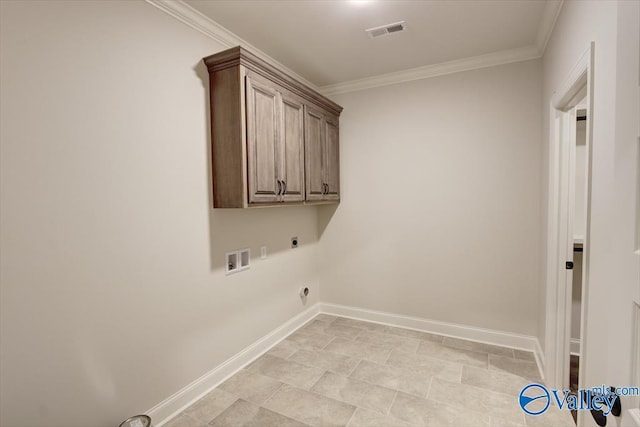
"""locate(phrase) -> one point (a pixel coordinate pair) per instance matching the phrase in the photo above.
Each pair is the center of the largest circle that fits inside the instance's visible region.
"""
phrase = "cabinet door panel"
(332, 162)
(262, 142)
(314, 154)
(291, 169)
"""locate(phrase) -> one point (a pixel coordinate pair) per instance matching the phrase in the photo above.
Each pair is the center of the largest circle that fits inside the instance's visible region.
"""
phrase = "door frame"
(558, 281)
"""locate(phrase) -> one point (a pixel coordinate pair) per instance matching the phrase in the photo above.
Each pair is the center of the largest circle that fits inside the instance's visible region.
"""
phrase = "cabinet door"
(314, 153)
(291, 166)
(262, 141)
(332, 159)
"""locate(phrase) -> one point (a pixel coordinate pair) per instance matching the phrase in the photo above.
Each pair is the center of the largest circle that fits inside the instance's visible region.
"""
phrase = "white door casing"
(560, 221)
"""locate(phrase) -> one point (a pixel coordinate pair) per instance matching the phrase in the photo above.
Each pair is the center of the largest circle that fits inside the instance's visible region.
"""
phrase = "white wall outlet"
(263, 252)
(294, 242)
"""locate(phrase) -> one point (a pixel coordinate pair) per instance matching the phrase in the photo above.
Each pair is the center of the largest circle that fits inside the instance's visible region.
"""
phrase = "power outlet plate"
(236, 261)
(231, 262)
(294, 242)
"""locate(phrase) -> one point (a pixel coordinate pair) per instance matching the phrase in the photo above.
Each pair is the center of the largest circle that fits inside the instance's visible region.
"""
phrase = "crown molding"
(548, 23)
(196, 20)
(202, 23)
(450, 67)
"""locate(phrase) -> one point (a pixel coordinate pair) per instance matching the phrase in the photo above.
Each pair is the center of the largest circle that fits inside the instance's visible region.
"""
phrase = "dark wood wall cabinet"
(274, 140)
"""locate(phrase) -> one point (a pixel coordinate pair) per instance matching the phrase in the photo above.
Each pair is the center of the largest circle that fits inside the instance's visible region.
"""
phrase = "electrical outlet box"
(263, 252)
(231, 262)
(245, 257)
(237, 261)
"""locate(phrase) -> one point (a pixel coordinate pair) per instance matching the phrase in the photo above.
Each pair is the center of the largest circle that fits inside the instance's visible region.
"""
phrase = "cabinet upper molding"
(241, 56)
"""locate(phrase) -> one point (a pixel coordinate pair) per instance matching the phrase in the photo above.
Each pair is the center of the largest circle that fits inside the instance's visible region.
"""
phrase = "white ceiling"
(324, 40)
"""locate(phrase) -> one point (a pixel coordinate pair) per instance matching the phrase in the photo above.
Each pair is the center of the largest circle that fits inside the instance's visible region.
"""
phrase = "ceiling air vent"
(386, 29)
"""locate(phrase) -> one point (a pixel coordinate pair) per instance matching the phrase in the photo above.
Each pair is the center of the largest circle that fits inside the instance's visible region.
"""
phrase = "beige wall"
(441, 198)
(112, 290)
(113, 295)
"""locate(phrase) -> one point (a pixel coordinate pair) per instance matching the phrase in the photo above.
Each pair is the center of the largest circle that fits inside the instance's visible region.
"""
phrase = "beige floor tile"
(367, 418)
(425, 336)
(551, 417)
(477, 346)
(311, 341)
(329, 328)
(338, 363)
(314, 327)
(524, 355)
(407, 344)
(325, 317)
(211, 405)
(494, 380)
(250, 386)
(369, 326)
(562, 419)
(284, 349)
(445, 370)
(499, 405)
(358, 393)
(339, 371)
(523, 368)
(184, 420)
(457, 355)
(286, 371)
(422, 412)
(359, 350)
(246, 414)
(343, 331)
(405, 380)
(498, 422)
(310, 408)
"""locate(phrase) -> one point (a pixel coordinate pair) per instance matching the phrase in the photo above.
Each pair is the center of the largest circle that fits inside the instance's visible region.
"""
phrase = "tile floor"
(336, 371)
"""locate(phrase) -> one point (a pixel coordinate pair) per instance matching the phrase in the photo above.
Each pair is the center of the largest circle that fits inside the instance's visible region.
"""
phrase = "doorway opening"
(568, 217)
(579, 190)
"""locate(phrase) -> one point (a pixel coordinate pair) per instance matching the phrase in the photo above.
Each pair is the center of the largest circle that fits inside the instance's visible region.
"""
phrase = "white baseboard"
(170, 407)
(540, 358)
(487, 336)
(574, 347)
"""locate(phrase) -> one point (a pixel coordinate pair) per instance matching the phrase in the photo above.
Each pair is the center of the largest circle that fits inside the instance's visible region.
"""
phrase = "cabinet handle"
(326, 188)
(279, 187)
(284, 187)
